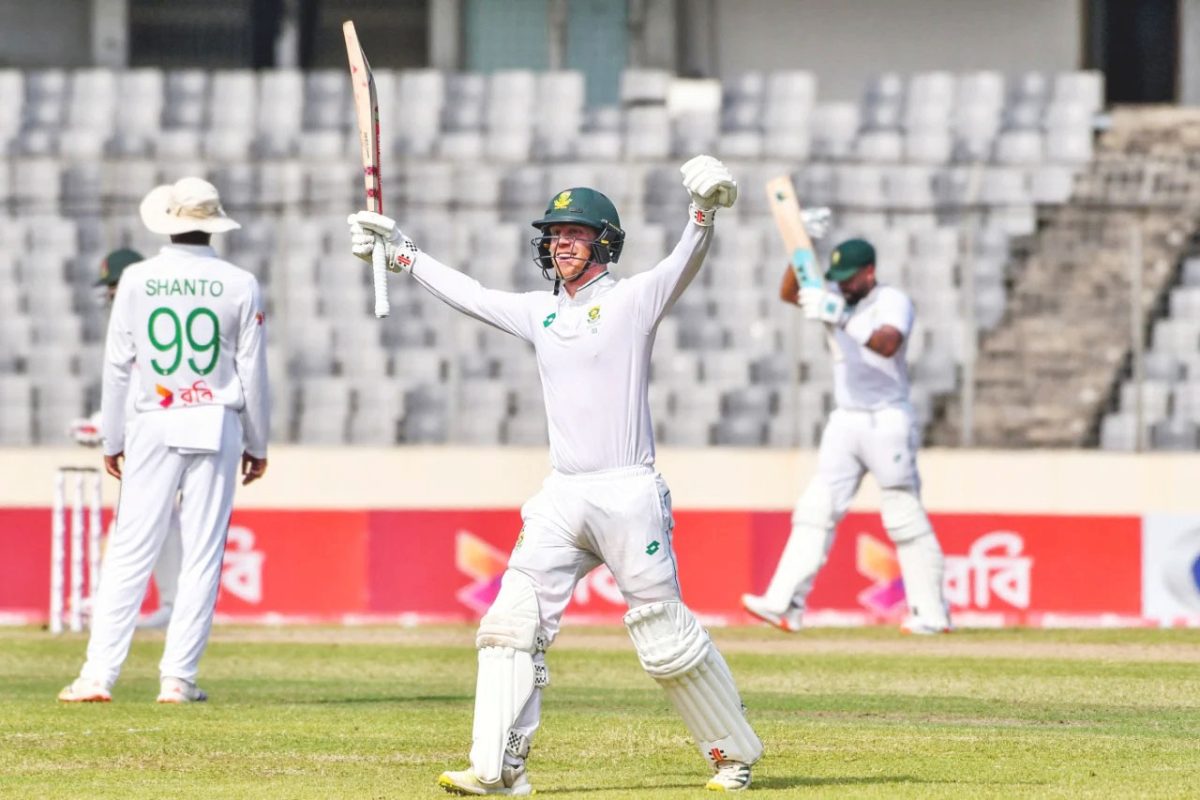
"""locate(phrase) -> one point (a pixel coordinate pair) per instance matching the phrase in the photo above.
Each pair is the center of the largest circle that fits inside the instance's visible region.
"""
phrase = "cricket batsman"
(873, 429)
(603, 502)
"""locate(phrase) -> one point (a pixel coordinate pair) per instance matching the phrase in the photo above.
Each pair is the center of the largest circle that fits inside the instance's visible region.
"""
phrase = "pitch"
(379, 712)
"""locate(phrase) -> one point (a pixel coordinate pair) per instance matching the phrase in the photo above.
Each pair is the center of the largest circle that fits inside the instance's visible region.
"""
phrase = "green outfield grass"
(378, 712)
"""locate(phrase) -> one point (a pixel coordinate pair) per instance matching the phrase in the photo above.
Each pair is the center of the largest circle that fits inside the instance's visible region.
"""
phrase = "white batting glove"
(366, 227)
(711, 186)
(824, 305)
(816, 221)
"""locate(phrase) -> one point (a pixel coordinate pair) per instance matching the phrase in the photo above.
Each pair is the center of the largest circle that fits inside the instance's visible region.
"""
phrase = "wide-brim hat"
(189, 204)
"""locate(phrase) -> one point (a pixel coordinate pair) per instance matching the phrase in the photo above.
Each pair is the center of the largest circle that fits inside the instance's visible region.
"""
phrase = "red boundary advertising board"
(446, 564)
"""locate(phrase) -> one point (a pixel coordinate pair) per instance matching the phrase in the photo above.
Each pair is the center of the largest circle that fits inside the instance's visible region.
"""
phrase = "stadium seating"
(941, 170)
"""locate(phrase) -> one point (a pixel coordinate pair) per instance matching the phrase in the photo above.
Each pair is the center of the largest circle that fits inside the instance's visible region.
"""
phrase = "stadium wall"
(422, 534)
(1009, 481)
(847, 43)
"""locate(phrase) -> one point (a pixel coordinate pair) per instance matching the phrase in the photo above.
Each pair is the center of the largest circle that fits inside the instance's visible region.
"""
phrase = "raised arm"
(507, 311)
(789, 287)
(660, 287)
(711, 186)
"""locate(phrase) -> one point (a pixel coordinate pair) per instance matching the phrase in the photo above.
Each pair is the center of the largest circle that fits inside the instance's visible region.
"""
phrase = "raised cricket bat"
(366, 111)
(781, 195)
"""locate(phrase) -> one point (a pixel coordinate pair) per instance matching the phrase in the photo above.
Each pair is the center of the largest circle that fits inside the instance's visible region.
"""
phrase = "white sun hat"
(189, 204)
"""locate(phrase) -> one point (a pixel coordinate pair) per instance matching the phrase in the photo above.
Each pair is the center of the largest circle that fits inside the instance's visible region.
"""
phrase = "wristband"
(702, 216)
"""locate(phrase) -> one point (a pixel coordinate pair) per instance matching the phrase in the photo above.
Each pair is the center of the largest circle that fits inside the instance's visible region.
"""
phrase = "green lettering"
(217, 288)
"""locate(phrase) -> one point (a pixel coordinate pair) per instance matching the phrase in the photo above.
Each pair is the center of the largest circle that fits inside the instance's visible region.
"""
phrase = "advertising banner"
(446, 565)
(1000, 569)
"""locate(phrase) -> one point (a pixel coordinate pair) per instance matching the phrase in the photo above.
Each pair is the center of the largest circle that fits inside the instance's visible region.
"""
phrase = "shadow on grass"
(790, 782)
(381, 698)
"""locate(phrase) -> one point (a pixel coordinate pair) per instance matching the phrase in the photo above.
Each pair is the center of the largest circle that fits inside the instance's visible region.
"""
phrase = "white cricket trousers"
(620, 518)
(882, 442)
(152, 475)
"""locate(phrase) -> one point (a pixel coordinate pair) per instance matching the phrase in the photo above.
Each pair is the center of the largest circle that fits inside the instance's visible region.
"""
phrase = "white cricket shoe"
(85, 690)
(512, 783)
(918, 627)
(788, 621)
(732, 776)
(177, 690)
(158, 618)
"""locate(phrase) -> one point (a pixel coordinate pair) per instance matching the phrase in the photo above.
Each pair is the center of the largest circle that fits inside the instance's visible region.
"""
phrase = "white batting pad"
(677, 653)
(922, 567)
(507, 641)
(903, 515)
(807, 548)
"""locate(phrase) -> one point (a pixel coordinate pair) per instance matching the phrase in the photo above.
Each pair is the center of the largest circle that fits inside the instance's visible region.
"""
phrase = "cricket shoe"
(788, 621)
(732, 776)
(85, 690)
(177, 691)
(512, 783)
(917, 627)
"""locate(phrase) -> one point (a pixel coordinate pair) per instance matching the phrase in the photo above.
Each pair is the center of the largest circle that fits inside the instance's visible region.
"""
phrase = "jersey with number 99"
(192, 326)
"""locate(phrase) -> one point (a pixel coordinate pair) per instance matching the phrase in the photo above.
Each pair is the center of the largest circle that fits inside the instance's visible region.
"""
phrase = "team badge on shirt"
(549, 320)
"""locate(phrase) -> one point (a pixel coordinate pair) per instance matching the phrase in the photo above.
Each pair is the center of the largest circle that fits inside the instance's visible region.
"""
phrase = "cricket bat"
(781, 195)
(366, 111)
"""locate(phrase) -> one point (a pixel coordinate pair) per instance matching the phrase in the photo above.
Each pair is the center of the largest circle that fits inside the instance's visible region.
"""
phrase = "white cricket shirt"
(593, 350)
(863, 380)
(192, 326)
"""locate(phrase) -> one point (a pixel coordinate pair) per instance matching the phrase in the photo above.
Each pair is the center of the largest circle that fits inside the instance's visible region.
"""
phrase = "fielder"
(871, 430)
(87, 432)
(191, 325)
(603, 503)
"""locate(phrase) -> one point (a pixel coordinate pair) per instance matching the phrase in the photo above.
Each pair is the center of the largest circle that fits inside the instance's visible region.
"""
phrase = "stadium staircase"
(1045, 374)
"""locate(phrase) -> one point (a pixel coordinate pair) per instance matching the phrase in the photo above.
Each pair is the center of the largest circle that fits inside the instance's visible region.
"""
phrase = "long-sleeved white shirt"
(863, 380)
(193, 328)
(593, 350)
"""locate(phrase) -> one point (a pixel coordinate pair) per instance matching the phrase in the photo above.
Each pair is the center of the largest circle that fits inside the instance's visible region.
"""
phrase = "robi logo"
(242, 569)
(1181, 569)
(877, 561)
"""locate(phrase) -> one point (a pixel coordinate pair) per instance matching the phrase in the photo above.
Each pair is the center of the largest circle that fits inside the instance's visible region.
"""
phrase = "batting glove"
(711, 186)
(824, 305)
(816, 221)
(366, 227)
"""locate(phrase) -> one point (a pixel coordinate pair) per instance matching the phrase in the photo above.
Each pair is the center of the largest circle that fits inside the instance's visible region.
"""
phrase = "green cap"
(848, 258)
(114, 264)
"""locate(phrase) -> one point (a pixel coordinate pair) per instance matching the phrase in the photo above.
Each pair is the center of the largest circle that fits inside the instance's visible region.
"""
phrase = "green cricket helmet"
(580, 206)
(114, 264)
